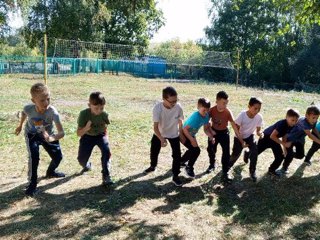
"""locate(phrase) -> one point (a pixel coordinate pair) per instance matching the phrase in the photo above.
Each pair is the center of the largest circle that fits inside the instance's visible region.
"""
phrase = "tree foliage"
(125, 22)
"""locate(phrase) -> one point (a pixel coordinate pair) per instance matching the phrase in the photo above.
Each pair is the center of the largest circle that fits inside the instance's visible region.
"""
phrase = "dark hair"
(169, 92)
(313, 110)
(204, 102)
(223, 95)
(254, 100)
(96, 98)
(39, 88)
(292, 113)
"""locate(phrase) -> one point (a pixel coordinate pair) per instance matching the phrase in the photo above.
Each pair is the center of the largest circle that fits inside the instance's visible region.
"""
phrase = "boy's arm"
(315, 130)
(84, 130)
(259, 133)
(54, 137)
(22, 119)
(158, 134)
(237, 132)
(283, 142)
(312, 137)
(181, 135)
(188, 136)
(208, 131)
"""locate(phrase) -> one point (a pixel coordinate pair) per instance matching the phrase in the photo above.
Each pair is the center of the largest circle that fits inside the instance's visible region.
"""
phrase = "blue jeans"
(86, 146)
(33, 142)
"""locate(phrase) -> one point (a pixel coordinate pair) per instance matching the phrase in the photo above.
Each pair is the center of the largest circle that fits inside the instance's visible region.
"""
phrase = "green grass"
(149, 207)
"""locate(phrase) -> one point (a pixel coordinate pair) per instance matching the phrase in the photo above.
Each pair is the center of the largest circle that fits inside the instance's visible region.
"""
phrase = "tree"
(125, 22)
(305, 11)
(254, 27)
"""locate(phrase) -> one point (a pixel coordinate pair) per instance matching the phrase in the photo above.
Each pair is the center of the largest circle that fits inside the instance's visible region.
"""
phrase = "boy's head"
(170, 97)
(222, 101)
(292, 117)
(254, 106)
(96, 103)
(40, 96)
(203, 106)
(312, 114)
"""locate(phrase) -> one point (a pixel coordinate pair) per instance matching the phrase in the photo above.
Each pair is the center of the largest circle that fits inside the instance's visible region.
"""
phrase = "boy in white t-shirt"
(167, 118)
(248, 121)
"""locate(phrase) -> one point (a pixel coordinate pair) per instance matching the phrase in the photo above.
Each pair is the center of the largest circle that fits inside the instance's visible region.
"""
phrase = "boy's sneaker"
(246, 156)
(283, 171)
(149, 170)
(253, 176)
(107, 181)
(274, 173)
(225, 178)
(210, 169)
(176, 180)
(55, 174)
(183, 164)
(308, 163)
(31, 190)
(190, 172)
(86, 168)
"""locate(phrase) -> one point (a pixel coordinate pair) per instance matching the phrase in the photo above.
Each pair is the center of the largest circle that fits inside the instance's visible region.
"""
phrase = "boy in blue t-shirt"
(190, 128)
(315, 147)
(297, 136)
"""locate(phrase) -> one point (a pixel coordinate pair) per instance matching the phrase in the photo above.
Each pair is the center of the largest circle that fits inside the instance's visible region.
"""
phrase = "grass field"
(149, 207)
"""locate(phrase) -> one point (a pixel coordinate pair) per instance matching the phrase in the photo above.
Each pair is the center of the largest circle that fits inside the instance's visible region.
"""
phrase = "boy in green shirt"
(92, 128)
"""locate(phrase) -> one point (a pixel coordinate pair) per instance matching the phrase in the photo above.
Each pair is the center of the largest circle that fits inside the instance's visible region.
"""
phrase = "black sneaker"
(283, 171)
(226, 179)
(246, 156)
(183, 164)
(86, 168)
(55, 174)
(190, 172)
(176, 180)
(149, 170)
(31, 190)
(107, 181)
(253, 176)
(308, 163)
(210, 169)
(274, 173)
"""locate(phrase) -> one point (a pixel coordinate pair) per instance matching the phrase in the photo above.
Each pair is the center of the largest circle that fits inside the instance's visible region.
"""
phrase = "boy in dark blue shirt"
(275, 138)
(297, 136)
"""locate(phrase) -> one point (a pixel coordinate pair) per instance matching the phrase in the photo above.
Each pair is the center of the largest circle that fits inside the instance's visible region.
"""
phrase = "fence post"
(45, 59)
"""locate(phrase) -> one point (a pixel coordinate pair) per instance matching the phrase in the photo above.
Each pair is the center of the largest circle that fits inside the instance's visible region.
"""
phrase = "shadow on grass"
(269, 201)
(110, 204)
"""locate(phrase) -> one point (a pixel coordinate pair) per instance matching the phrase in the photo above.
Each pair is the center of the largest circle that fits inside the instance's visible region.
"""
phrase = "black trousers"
(314, 147)
(176, 153)
(223, 138)
(265, 143)
(191, 155)
(52, 148)
(237, 149)
(299, 153)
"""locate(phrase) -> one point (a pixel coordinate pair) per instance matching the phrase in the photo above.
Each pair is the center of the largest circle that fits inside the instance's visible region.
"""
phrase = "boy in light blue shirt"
(190, 128)
(315, 147)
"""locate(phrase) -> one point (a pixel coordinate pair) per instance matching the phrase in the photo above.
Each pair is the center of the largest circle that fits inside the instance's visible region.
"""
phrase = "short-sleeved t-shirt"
(281, 126)
(98, 122)
(195, 122)
(248, 125)
(318, 126)
(297, 134)
(40, 122)
(219, 120)
(168, 119)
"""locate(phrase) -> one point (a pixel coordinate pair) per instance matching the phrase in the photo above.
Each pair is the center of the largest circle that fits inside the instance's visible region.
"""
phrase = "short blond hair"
(39, 88)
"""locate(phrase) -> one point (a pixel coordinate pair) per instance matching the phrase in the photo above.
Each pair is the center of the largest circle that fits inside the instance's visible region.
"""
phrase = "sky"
(185, 19)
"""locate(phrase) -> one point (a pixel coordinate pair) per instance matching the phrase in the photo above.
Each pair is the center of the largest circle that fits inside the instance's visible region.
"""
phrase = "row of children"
(168, 126)
(281, 137)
